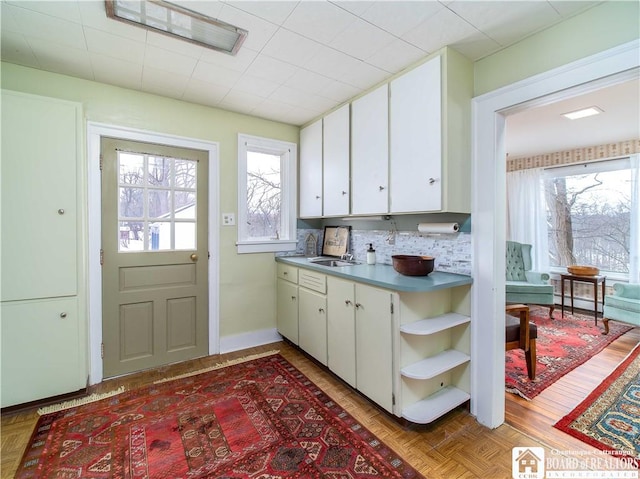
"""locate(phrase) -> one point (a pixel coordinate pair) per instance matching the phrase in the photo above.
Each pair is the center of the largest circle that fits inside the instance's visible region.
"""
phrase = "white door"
(370, 153)
(341, 329)
(416, 140)
(336, 162)
(311, 170)
(374, 343)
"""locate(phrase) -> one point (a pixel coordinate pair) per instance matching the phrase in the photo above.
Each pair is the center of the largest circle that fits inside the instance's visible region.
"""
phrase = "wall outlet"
(228, 219)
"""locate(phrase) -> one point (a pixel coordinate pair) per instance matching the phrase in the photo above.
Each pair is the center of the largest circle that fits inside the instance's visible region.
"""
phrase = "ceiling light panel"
(178, 22)
(582, 113)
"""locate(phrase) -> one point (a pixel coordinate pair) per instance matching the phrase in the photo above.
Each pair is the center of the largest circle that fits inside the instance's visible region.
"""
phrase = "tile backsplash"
(452, 252)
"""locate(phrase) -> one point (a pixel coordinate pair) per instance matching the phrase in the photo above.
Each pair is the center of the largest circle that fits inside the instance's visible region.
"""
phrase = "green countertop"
(383, 275)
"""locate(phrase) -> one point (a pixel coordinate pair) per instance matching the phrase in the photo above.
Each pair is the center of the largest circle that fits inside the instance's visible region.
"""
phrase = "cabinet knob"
(432, 181)
(380, 188)
(61, 211)
(63, 315)
(320, 310)
(285, 273)
(344, 193)
(317, 197)
(293, 298)
(347, 302)
(358, 305)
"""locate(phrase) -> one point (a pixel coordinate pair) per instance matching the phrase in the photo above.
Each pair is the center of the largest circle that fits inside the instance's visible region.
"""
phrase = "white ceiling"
(300, 59)
(544, 130)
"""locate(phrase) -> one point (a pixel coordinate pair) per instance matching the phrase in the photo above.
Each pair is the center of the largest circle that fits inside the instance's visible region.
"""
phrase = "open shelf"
(433, 325)
(434, 406)
(438, 364)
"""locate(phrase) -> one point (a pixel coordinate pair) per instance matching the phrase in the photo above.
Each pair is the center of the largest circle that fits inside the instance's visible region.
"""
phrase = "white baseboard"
(237, 342)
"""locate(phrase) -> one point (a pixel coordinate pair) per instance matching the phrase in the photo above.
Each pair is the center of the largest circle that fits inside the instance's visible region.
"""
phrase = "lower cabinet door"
(374, 343)
(42, 350)
(312, 323)
(341, 329)
(287, 320)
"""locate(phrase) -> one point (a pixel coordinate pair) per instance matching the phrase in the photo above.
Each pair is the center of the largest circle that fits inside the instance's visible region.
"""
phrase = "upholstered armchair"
(623, 305)
(523, 285)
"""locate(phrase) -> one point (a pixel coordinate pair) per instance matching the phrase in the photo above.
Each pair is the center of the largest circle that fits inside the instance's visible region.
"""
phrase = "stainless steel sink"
(334, 262)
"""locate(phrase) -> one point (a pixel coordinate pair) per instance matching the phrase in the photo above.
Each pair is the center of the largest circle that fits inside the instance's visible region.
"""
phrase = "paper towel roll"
(438, 228)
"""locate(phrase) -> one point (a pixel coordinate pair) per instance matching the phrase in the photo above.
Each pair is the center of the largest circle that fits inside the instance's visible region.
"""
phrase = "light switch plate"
(228, 219)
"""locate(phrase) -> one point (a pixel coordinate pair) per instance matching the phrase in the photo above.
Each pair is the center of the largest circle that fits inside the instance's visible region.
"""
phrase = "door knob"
(194, 257)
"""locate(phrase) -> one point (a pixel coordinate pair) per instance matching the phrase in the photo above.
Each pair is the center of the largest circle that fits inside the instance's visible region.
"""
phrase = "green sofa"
(523, 285)
(623, 305)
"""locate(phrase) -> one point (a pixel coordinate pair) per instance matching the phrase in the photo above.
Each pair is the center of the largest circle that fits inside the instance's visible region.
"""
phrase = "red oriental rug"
(609, 418)
(257, 419)
(563, 344)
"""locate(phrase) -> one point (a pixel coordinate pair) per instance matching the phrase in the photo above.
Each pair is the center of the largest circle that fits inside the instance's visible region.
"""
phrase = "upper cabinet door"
(311, 170)
(370, 153)
(416, 140)
(39, 197)
(336, 162)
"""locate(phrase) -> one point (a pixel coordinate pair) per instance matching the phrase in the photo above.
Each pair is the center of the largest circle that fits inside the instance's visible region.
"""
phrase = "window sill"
(265, 246)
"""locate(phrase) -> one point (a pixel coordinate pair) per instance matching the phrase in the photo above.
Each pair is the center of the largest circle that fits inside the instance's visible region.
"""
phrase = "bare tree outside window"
(589, 220)
(263, 195)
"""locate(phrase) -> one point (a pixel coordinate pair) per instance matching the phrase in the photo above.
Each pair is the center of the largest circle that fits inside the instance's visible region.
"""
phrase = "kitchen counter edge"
(383, 275)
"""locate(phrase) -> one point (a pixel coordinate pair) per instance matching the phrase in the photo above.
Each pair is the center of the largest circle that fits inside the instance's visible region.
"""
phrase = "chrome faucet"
(347, 257)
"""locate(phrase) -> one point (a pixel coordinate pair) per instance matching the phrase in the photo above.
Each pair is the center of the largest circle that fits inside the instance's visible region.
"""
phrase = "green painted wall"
(247, 285)
(600, 28)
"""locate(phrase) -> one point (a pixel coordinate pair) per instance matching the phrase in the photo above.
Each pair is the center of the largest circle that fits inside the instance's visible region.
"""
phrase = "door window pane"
(185, 235)
(131, 202)
(131, 170)
(152, 212)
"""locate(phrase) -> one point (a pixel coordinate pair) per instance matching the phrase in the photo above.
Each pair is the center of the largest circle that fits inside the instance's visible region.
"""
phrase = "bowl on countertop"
(583, 270)
(412, 265)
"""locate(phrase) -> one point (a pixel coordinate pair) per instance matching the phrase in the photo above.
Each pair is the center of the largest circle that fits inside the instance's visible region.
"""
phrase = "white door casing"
(488, 205)
(94, 132)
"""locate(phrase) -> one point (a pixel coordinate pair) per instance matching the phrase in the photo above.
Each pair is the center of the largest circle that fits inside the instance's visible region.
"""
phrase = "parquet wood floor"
(454, 447)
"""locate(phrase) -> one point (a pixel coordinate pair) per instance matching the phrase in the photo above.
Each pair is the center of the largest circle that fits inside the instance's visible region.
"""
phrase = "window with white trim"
(590, 206)
(266, 195)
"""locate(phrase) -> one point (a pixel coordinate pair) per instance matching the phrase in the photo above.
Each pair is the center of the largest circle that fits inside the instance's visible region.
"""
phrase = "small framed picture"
(336, 240)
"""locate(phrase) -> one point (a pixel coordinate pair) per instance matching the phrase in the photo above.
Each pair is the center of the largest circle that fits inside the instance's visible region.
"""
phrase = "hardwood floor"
(453, 447)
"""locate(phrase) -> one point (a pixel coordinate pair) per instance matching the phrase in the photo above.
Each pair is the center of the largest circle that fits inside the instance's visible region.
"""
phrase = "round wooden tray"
(583, 270)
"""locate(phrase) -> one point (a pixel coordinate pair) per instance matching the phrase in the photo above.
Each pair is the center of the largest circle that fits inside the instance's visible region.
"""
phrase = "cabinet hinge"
(208, 254)
(391, 307)
(102, 350)
(393, 399)
(101, 257)
(101, 160)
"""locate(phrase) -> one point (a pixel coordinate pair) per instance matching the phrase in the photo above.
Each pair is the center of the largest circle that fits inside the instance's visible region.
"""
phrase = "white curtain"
(527, 214)
(634, 250)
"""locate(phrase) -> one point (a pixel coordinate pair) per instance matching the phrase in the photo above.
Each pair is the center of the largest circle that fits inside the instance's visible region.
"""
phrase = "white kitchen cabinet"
(415, 129)
(430, 134)
(374, 344)
(312, 314)
(44, 325)
(336, 189)
(287, 302)
(42, 344)
(341, 329)
(370, 153)
(409, 352)
(360, 332)
(310, 189)
(433, 353)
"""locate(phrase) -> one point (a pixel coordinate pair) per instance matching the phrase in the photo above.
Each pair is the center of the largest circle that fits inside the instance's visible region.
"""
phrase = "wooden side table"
(595, 280)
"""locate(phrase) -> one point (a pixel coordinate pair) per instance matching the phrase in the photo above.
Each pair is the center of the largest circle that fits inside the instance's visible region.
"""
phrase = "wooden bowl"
(583, 270)
(410, 265)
